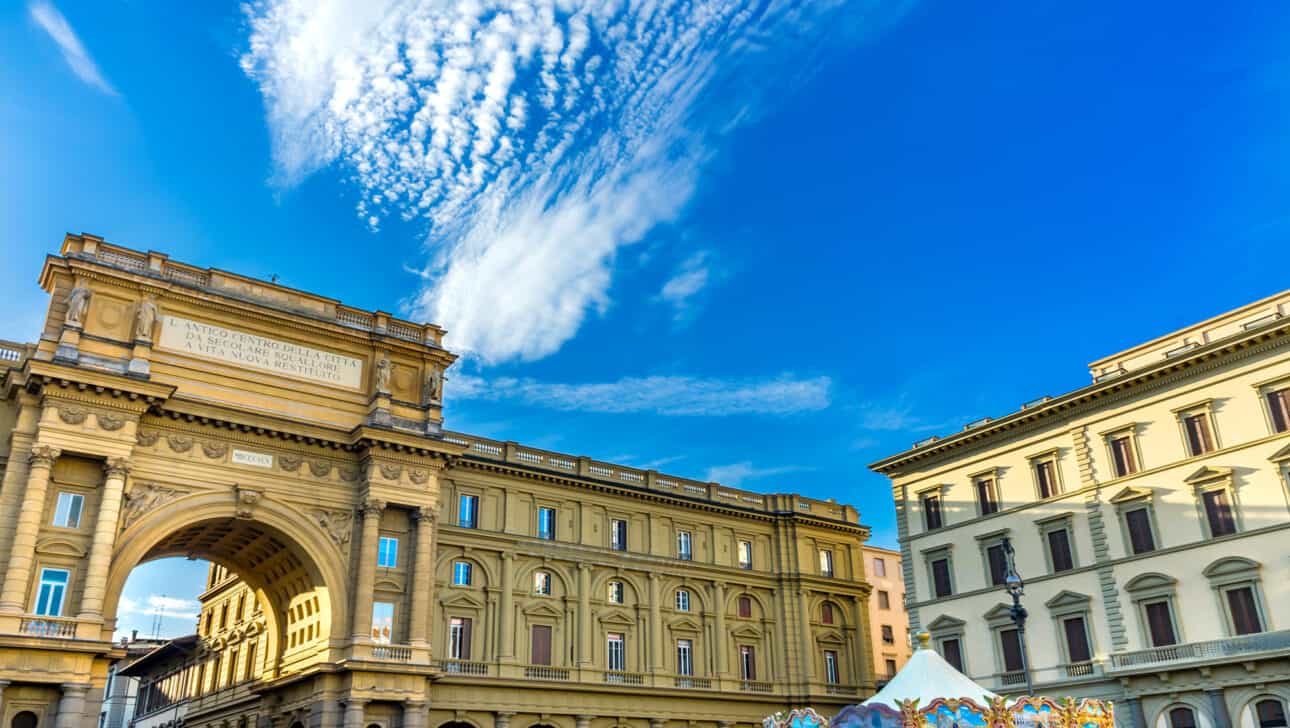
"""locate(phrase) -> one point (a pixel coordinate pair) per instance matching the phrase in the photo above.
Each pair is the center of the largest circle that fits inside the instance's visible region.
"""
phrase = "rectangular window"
(541, 645)
(1141, 539)
(1059, 549)
(683, 546)
(615, 592)
(952, 651)
(1218, 511)
(986, 499)
(249, 671)
(542, 583)
(1077, 647)
(468, 511)
(826, 562)
(888, 635)
(684, 657)
(67, 513)
(1010, 641)
(1245, 613)
(546, 524)
(831, 667)
(382, 622)
(1122, 456)
(879, 567)
(745, 555)
(1200, 439)
(617, 653)
(998, 563)
(744, 609)
(618, 534)
(884, 600)
(461, 573)
(1160, 624)
(1279, 408)
(223, 616)
(682, 600)
(459, 629)
(241, 608)
(232, 667)
(932, 512)
(890, 666)
(53, 590)
(1046, 478)
(387, 552)
(747, 662)
(826, 613)
(941, 577)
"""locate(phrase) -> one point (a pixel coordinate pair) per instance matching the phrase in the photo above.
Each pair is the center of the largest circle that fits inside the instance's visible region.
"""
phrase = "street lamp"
(1016, 588)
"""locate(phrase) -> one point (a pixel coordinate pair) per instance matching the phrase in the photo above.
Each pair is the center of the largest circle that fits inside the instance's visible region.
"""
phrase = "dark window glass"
(1245, 614)
(1059, 547)
(1045, 475)
(1182, 718)
(1271, 713)
(1139, 523)
(826, 613)
(1161, 624)
(1199, 438)
(1077, 640)
(1218, 511)
(932, 511)
(1122, 451)
(891, 669)
(985, 496)
(998, 562)
(745, 607)
(953, 653)
(888, 635)
(1279, 405)
(1011, 643)
(941, 577)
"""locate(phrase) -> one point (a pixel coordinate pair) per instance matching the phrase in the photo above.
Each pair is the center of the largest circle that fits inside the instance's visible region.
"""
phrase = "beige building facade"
(1150, 516)
(889, 623)
(402, 574)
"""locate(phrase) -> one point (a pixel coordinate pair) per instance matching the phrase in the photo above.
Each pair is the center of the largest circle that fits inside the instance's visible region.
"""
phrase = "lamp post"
(1016, 589)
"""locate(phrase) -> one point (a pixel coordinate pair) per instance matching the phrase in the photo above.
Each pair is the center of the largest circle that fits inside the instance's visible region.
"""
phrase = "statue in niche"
(77, 301)
(384, 368)
(434, 384)
(144, 318)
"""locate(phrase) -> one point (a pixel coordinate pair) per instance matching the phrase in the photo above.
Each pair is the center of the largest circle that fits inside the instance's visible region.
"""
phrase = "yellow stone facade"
(298, 444)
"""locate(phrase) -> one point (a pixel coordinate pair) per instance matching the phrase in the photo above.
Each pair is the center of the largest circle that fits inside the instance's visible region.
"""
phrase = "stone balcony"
(1264, 644)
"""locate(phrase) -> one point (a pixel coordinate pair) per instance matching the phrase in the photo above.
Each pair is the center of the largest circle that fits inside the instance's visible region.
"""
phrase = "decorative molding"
(146, 497)
(419, 476)
(215, 450)
(320, 468)
(109, 422)
(179, 443)
(336, 524)
(348, 475)
(372, 507)
(247, 499)
(116, 467)
(72, 414)
(390, 471)
(43, 456)
(147, 438)
(290, 463)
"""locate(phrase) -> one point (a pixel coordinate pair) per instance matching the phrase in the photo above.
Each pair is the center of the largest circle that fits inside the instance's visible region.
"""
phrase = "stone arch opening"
(25, 719)
(457, 724)
(290, 566)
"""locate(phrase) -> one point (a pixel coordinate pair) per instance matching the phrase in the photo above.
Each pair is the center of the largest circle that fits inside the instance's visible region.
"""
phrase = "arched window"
(25, 719)
(1182, 717)
(1270, 713)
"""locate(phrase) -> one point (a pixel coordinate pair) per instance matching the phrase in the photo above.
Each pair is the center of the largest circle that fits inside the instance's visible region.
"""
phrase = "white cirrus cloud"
(690, 278)
(165, 606)
(50, 20)
(536, 138)
(662, 395)
(736, 473)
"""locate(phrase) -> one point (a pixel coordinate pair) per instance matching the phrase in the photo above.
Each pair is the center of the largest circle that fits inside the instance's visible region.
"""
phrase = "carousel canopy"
(927, 676)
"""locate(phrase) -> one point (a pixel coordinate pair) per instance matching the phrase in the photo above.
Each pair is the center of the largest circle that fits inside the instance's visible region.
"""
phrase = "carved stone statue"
(384, 368)
(144, 318)
(434, 384)
(77, 301)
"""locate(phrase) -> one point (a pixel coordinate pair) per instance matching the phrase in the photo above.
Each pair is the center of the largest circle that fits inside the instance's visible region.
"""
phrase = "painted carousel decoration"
(929, 693)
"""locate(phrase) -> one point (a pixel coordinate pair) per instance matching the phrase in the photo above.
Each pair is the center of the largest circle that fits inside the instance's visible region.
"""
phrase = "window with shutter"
(1182, 718)
(1059, 549)
(1271, 713)
(1160, 624)
(1141, 539)
(1244, 611)
(1218, 513)
(952, 651)
(1011, 643)
(1077, 647)
(540, 654)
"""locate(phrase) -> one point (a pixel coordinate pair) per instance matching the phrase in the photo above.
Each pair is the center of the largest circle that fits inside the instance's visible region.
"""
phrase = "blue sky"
(765, 244)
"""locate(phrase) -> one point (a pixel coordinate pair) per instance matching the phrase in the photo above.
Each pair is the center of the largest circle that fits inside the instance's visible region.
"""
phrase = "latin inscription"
(258, 459)
(259, 352)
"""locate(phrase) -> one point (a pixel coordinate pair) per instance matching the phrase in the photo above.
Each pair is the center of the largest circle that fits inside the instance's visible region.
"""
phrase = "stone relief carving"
(336, 524)
(77, 302)
(43, 456)
(147, 438)
(143, 498)
(384, 368)
(419, 476)
(144, 317)
(290, 463)
(320, 468)
(110, 422)
(434, 384)
(247, 498)
(72, 414)
(179, 443)
(348, 475)
(391, 471)
(215, 450)
(116, 467)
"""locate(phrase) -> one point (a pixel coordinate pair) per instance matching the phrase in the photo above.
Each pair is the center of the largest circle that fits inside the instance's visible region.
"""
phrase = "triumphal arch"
(399, 574)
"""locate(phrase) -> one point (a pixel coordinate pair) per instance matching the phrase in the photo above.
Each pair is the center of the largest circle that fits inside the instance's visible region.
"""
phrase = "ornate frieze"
(179, 443)
(390, 471)
(109, 421)
(72, 414)
(146, 497)
(147, 438)
(320, 468)
(215, 450)
(419, 476)
(336, 524)
(289, 463)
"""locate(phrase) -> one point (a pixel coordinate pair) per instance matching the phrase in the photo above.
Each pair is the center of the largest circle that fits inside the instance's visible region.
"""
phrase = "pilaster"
(13, 599)
(115, 471)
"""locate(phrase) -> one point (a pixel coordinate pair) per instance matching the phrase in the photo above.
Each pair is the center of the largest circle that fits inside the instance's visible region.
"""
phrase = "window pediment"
(1281, 456)
(1131, 493)
(1232, 567)
(389, 585)
(945, 623)
(1149, 581)
(618, 618)
(1208, 474)
(542, 609)
(1068, 599)
(55, 546)
(830, 637)
(746, 631)
(684, 624)
(998, 614)
(462, 598)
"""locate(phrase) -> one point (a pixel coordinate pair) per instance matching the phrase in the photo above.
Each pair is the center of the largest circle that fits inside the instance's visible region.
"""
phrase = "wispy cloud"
(736, 473)
(899, 417)
(161, 605)
(690, 278)
(60, 31)
(536, 138)
(663, 395)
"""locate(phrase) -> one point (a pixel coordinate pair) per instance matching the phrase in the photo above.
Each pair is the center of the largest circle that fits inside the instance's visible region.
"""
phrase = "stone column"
(365, 582)
(721, 641)
(13, 599)
(414, 714)
(655, 626)
(808, 644)
(1137, 719)
(354, 710)
(584, 614)
(3, 684)
(71, 707)
(502, 719)
(1218, 706)
(422, 577)
(506, 632)
(96, 571)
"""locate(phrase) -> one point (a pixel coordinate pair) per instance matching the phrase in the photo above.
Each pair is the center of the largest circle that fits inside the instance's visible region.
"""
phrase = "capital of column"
(116, 467)
(425, 514)
(75, 689)
(582, 721)
(351, 703)
(502, 718)
(415, 704)
(508, 555)
(43, 456)
(372, 507)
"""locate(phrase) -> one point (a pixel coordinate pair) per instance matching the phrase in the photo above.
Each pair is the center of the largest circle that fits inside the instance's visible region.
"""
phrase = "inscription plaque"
(258, 459)
(259, 352)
